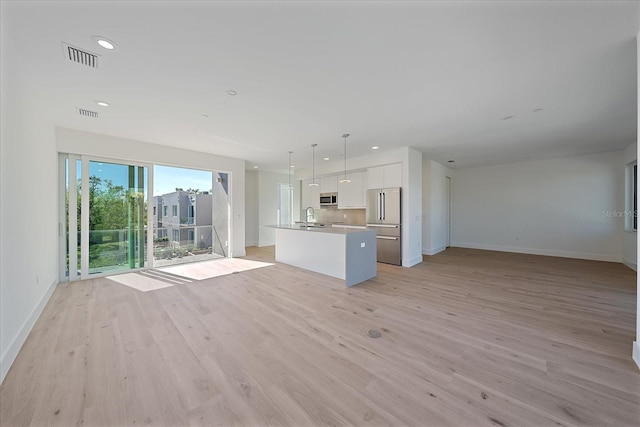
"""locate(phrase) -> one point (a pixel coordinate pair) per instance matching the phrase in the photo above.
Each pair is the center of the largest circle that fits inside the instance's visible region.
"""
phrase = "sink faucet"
(307, 214)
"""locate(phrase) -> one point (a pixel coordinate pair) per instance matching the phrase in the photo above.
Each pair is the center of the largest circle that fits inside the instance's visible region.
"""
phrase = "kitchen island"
(344, 253)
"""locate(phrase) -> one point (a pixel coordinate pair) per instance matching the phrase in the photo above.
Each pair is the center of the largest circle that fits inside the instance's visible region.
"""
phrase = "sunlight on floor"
(141, 282)
(215, 268)
(165, 277)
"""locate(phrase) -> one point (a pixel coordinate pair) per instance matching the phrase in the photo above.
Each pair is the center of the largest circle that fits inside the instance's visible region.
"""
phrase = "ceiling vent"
(80, 56)
(88, 113)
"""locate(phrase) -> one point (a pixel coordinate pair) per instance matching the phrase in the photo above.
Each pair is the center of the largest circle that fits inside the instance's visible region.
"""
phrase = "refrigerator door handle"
(384, 225)
(384, 207)
(387, 238)
(379, 206)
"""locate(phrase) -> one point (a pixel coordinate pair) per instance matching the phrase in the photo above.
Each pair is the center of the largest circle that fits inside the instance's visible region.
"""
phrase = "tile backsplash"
(330, 215)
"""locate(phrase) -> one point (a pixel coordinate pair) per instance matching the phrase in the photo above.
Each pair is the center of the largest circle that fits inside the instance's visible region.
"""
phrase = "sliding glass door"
(106, 216)
(117, 218)
(110, 220)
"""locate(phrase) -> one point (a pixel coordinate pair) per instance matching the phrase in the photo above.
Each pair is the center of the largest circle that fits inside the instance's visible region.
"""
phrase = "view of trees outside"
(117, 219)
(118, 203)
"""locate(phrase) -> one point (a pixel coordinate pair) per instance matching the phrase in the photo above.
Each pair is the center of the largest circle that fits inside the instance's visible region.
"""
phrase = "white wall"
(28, 207)
(434, 206)
(77, 142)
(629, 251)
(411, 160)
(268, 205)
(251, 208)
(550, 207)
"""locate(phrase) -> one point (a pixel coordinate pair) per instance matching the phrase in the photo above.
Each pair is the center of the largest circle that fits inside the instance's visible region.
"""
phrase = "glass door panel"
(117, 217)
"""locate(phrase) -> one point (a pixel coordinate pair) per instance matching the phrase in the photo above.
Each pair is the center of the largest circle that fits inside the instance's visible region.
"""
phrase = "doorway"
(447, 216)
(191, 211)
(110, 221)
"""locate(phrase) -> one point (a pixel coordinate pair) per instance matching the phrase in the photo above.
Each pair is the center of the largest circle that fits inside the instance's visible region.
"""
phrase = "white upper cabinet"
(328, 184)
(310, 195)
(352, 195)
(384, 176)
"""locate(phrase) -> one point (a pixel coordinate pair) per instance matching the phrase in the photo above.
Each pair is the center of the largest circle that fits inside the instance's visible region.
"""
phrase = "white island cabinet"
(347, 254)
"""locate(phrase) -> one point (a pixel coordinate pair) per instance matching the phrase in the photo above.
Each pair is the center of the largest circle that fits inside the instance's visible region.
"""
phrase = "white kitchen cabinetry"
(352, 195)
(328, 184)
(310, 195)
(384, 176)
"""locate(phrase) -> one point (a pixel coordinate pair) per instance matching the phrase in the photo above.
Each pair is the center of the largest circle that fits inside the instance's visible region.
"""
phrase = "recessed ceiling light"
(537, 110)
(325, 158)
(255, 166)
(105, 43)
(232, 92)
(451, 161)
(205, 115)
(508, 118)
(375, 147)
(102, 103)
(292, 166)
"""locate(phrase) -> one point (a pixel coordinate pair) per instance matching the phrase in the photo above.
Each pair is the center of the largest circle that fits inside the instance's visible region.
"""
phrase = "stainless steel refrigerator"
(384, 215)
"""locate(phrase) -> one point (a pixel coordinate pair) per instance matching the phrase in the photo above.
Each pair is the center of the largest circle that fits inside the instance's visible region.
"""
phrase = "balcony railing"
(187, 241)
(189, 220)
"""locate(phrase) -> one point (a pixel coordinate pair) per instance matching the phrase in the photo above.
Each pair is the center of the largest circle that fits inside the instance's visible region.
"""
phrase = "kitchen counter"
(335, 228)
(345, 253)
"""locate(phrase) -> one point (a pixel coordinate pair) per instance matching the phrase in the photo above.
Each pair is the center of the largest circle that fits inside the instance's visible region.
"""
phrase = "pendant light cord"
(345, 136)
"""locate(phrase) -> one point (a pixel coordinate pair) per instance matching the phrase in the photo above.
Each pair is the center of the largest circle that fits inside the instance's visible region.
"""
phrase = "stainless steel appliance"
(328, 199)
(384, 215)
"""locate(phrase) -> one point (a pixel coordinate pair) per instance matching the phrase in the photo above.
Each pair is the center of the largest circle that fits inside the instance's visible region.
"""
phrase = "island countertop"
(345, 253)
(325, 229)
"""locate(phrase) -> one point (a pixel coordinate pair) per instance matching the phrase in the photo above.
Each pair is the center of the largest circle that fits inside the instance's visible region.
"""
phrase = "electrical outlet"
(345, 216)
(362, 245)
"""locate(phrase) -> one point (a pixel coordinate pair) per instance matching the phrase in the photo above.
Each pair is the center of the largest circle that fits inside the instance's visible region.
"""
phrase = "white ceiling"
(436, 76)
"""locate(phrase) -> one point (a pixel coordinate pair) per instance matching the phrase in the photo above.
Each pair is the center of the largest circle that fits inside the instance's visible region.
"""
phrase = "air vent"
(88, 113)
(80, 56)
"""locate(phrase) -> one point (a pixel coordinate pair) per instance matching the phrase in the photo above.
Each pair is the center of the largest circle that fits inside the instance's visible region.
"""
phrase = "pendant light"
(313, 182)
(290, 153)
(345, 180)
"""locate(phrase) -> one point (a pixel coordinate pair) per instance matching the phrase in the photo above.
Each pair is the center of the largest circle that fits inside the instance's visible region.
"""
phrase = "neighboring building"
(183, 218)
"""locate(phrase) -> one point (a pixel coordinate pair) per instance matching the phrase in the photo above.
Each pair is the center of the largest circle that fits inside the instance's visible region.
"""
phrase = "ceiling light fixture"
(232, 92)
(508, 118)
(102, 103)
(345, 180)
(325, 158)
(537, 110)
(451, 161)
(375, 147)
(105, 43)
(255, 166)
(313, 166)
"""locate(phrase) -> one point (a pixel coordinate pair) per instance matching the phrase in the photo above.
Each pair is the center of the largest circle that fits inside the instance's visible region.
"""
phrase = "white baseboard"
(411, 262)
(250, 244)
(546, 252)
(10, 354)
(630, 263)
(433, 251)
(636, 353)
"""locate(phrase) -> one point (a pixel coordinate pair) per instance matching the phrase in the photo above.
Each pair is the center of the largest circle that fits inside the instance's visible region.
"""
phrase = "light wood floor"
(468, 338)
